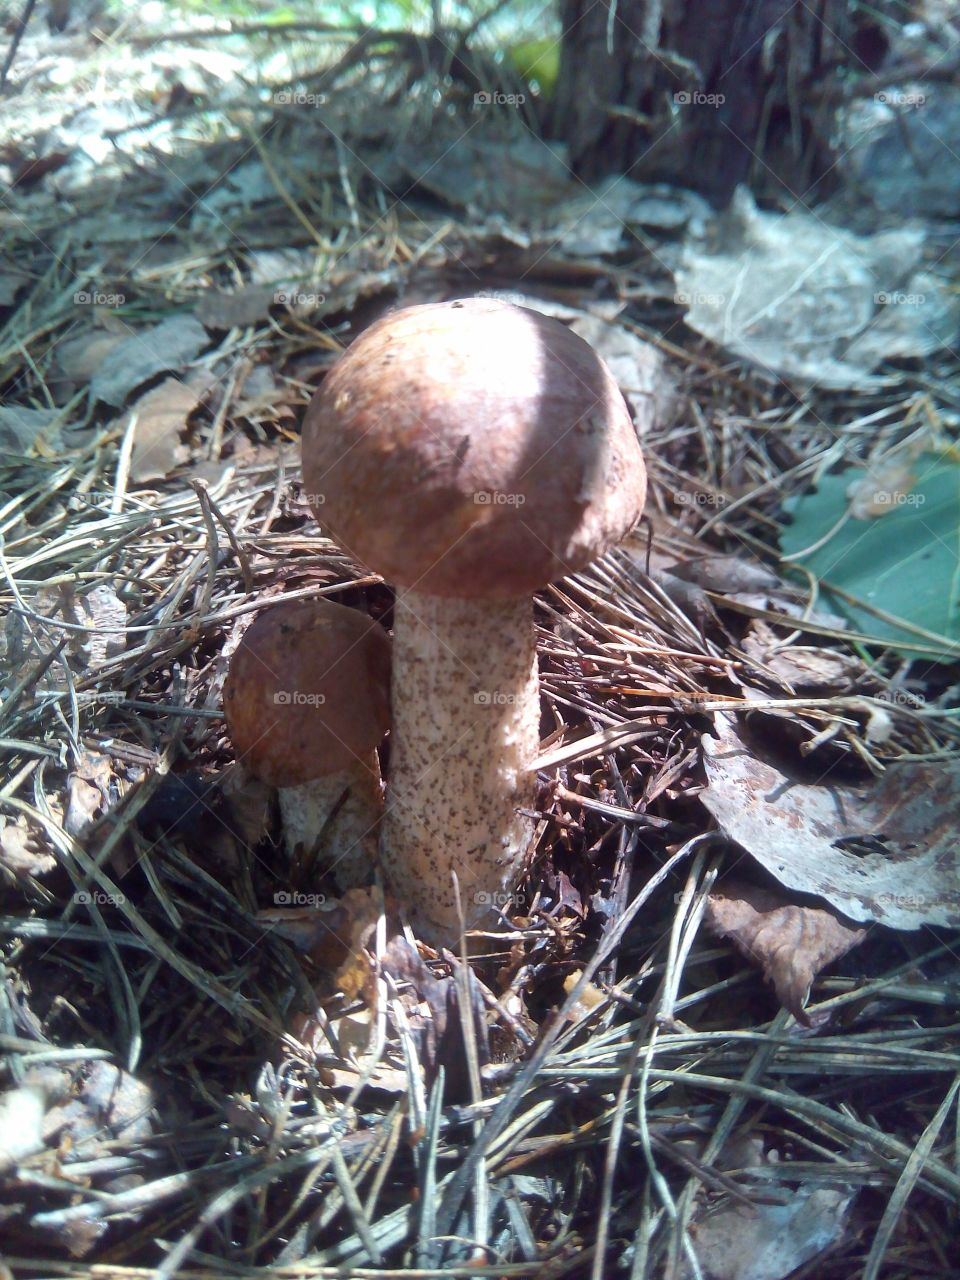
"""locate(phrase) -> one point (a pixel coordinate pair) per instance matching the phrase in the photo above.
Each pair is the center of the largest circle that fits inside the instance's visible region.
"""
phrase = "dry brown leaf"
(106, 615)
(19, 854)
(78, 358)
(884, 850)
(161, 415)
(245, 813)
(434, 1015)
(88, 792)
(236, 310)
(727, 574)
(802, 667)
(790, 943)
(168, 346)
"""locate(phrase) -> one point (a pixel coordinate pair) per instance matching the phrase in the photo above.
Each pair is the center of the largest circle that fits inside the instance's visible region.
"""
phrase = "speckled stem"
(337, 818)
(466, 719)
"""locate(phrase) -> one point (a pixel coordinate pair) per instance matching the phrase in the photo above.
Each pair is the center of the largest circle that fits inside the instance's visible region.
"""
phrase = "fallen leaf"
(105, 613)
(884, 850)
(435, 1018)
(811, 301)
(21, 1124)
(20, 855)
(164, 347)
(639, 368)
(790, 943)
(20, 428)
(804, 668)
(77, 359)
(161, 415)
(236, 310)
(88, 792)
(769, 1241)
(727, 574)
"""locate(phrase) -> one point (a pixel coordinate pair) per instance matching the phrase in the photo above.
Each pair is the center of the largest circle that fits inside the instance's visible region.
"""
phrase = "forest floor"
(721, 1018)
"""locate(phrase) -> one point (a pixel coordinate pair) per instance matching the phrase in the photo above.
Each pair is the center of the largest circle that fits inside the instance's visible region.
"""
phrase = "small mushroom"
(471, 452)
(306, 701)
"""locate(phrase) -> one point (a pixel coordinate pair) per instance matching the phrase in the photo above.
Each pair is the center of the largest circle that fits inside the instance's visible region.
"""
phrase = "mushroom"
(471, 452)
(306, 701)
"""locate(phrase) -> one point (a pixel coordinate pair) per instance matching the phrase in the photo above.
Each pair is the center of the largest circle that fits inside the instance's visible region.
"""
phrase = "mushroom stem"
(336, 818)
(466, 720)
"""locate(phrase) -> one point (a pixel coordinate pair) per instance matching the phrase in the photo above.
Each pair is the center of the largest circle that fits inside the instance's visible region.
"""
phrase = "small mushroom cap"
(307, 691)
(472, 449)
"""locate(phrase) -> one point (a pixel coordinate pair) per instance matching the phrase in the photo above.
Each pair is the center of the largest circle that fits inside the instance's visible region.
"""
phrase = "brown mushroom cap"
(307, 691)
(472, 449)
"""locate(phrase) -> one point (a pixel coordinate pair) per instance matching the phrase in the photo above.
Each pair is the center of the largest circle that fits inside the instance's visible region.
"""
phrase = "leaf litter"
(266, 1085)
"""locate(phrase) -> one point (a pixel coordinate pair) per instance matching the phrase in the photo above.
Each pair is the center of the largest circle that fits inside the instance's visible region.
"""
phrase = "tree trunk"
(704, 93)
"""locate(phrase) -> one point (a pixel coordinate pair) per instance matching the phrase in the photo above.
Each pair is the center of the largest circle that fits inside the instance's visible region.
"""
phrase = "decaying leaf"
(770, 1241)
(333, 932)
(21, 1124)
(88, 791)
(105, 614)
(164, 347)
(789, 942)
(20, 852)
(77, 359)
(727, 574)
(161, 415)
(436, 1018)
(811, 301)
(243, 817)
(20, 428)
(803, 668)
(884, 850)
(904, 563)
(236, 310)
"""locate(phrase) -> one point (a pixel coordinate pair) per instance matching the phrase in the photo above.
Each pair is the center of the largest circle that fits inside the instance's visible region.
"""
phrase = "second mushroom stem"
(336, 819)
(466, 718)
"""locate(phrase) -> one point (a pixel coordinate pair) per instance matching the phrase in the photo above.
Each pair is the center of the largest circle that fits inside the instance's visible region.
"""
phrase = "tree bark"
(704, 93)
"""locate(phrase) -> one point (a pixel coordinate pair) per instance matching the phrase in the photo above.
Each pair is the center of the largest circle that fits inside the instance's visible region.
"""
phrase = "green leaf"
(905, 561)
